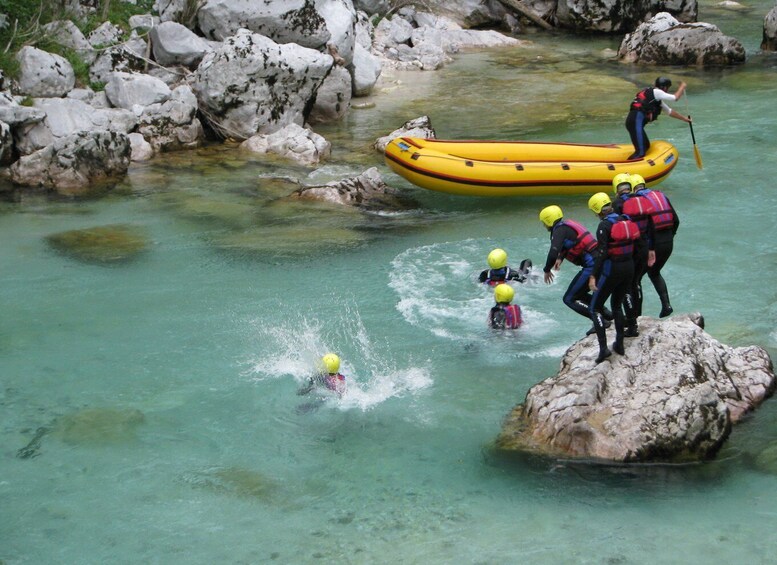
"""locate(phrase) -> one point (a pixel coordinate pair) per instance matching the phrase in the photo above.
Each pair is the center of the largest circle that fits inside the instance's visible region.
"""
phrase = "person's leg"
(631, 127)
(622, 276)
(663, 252)
(576, 291)
(604, 286)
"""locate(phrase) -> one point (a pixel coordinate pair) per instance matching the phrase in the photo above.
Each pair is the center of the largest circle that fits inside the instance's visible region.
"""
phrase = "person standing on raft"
(646, 107)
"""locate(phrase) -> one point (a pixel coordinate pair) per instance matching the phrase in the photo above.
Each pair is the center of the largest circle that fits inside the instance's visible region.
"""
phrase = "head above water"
(637, 182)
(497, 259)
(550, 215)
(663, 83)
(503, 293)
(621, 183)
(598, 202)
(331, 363)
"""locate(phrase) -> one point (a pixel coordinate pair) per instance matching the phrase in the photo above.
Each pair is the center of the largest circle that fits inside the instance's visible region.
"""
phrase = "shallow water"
(149, 407)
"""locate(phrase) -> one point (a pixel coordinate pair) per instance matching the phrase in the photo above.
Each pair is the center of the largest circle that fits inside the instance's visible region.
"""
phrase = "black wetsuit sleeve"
(483, 276)
(496, 318)
(675, 216)
(617, 205)
(603, 239)
(650, 233)
(557, 245)
(514, 275)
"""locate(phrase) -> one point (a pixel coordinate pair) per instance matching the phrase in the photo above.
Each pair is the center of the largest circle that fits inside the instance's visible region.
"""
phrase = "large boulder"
(73, 164)
(673, 396)
(665, 41)
(127, 90)
(333, 97)
(175, 44)
(769, 42)
(253, 85)
(283, 21)
(125, 57)
(44, 74)
(613, 15)
(172, 124)
(66, 116)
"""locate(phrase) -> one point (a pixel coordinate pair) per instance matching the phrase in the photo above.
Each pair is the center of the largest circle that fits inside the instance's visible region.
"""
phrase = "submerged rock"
(366, 190)
(98, 425)
(673, 396)
(237, 481)
(101, 244)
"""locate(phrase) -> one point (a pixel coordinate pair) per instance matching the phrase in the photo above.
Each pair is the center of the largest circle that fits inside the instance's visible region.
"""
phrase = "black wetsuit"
(666, 223)
(496, 276)
(613, 272)
(562, 238)
(640, 210)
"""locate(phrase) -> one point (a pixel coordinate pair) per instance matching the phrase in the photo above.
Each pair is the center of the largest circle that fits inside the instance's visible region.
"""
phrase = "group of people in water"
(634, 237)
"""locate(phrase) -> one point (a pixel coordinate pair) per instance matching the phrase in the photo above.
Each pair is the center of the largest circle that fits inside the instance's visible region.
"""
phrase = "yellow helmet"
(619, 179)
(504, 293)
(331, 363)
(550, 215)
(497, 259)
(599, 201)
(635, 181)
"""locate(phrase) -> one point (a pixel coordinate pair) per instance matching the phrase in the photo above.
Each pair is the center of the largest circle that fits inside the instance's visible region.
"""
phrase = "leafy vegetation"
(25, 20)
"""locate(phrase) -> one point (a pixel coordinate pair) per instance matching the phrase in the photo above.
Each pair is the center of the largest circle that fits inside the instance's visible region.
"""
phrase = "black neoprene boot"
(666, 308)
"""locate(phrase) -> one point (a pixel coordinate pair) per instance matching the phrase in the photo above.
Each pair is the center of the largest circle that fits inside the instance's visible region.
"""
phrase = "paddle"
(696, 154)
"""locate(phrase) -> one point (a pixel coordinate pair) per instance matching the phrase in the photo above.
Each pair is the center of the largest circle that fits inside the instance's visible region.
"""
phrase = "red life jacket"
(585, 243)
(663, 216)
(639, 209)
(513, 318)
(645, 101)
(622, 237)
(335, 382)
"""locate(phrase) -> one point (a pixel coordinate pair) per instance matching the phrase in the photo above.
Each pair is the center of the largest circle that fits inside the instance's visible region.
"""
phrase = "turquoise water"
(166, 385)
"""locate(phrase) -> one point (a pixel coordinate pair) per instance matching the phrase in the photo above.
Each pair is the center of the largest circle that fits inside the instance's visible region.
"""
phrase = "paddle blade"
(697, 156)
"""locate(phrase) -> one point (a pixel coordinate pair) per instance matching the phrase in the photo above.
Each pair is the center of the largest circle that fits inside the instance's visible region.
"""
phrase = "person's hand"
(592, 284)
(557, 264)
(651, 258)
(548, 277)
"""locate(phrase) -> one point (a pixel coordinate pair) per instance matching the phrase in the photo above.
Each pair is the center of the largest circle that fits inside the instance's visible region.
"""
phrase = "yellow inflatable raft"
(520, 168)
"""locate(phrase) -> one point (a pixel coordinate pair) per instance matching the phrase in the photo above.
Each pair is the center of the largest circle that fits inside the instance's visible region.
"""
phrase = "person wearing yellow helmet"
(500, 272)
(570, 240)
(504, 315)
(613, 271)
(646, 107)
(640, 210)
(661, 242)
(327, 377)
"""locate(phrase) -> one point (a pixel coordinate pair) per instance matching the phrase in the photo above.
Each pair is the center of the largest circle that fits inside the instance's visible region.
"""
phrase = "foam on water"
(294, 349)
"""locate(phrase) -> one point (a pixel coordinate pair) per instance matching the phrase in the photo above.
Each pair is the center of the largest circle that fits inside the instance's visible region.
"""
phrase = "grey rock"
(673, 396)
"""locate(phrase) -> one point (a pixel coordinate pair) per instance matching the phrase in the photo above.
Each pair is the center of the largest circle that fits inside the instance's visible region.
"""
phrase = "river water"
(148, 409)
